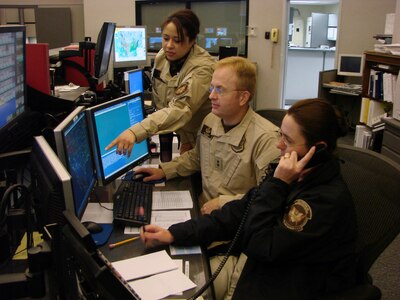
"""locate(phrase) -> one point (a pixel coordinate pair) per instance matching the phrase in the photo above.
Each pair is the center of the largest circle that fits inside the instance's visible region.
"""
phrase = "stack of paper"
(153, 270)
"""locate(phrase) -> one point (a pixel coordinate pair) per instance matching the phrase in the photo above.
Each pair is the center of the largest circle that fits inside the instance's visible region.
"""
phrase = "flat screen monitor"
(74, 150)
(134, 81)
(350, 64)
(130, 46)
(13, 101)
(211, 43)
(226, 51)
(155, 42)
(103, 49)
(51, 184)
(89, 265)
(106, 122)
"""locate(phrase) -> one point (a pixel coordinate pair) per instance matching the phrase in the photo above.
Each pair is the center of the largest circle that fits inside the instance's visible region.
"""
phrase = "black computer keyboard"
(133, 203)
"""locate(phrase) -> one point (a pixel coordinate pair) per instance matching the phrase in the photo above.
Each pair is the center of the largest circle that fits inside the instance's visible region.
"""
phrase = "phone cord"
(228, 252)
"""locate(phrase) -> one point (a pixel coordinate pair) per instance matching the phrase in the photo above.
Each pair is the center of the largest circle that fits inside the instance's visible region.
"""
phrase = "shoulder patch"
(298, 215)
(205, 130)
(182, 89)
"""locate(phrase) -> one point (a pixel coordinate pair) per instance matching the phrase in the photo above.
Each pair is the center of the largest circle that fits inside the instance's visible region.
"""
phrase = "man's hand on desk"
(154, 173)
(209, 206)
(153, 235)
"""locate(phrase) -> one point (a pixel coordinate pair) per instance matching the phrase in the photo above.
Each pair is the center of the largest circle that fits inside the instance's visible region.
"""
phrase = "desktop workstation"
(62, 177)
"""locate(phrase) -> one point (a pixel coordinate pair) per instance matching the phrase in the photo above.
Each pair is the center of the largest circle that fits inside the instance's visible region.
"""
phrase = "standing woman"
(181, 79)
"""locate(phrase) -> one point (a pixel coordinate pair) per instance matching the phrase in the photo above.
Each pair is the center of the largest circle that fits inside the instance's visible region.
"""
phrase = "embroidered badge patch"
(182, 89)
(205, 130)
(298, 215)
(239, 148)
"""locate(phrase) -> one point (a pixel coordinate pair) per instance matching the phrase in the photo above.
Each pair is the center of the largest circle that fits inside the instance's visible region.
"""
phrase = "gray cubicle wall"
(54, 26)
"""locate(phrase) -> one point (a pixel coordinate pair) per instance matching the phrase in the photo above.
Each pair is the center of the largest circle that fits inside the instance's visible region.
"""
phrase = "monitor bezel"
(95, 270)
(126, 79)
(45, 162)
(103, 51)
(135, 62)
(59, 137)
(90, 112)
(346, 73)
(9, 131)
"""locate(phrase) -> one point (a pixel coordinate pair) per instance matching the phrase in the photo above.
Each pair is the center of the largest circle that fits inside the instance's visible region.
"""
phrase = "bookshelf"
(380, 76)
(378, 62)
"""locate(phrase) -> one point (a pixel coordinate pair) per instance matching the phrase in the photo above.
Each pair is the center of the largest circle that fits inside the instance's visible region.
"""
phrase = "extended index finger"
(112, 144)
(306, 158)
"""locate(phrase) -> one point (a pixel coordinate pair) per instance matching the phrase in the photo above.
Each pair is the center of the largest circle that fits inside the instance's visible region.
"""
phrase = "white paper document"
(166, 218)
(172, 200)
(95, 213)
(145, 265)
(162, 285)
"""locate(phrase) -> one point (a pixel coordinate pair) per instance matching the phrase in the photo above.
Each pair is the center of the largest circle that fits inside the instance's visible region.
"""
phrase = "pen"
(111, 246)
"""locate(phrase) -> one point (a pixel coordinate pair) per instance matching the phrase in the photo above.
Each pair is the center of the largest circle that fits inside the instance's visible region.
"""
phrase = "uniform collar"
(235, 135)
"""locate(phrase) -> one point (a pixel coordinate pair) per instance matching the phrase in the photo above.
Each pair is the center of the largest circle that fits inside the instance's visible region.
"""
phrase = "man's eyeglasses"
(221, 91)
(285, 141)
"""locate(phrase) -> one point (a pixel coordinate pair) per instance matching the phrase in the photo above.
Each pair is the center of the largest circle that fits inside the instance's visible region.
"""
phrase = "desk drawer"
(391, 154)
(391, 141)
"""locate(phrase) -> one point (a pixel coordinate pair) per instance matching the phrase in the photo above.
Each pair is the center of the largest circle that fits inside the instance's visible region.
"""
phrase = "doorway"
(311, 48)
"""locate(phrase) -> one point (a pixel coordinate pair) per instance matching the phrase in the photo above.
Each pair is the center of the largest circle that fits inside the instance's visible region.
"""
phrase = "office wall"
(96, 12)
(265, 15)
(76, 7)
(359, 21)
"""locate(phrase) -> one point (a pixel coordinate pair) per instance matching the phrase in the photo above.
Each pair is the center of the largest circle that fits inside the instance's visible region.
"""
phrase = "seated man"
(234, 145)
(233, 149)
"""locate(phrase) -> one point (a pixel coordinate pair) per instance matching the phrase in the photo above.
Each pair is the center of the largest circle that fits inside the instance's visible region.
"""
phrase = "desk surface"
(199, 266)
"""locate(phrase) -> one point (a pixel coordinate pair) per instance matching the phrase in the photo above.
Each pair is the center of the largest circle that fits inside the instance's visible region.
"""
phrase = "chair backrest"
(373, 180)
(274, 115)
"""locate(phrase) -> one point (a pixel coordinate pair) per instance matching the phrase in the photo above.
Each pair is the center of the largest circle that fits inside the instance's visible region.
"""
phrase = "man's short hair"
(245, 72)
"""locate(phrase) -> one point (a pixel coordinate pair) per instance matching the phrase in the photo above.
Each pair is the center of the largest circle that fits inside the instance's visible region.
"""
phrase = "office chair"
(274, 115)
(373, 181)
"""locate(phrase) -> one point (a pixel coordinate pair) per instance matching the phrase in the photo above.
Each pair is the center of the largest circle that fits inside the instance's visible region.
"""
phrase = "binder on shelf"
(362, 136)
(376, 110)
(364, 110)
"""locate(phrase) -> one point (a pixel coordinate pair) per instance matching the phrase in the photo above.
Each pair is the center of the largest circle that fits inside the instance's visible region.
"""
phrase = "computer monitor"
(211, 43)
(106, 122)
(134, 81)
(103, 49)
(74, 150)
(51, 184)
(13, 101)
(89, 265)
(226, 51)
(350, 64)
(155, 42)
(130, 46)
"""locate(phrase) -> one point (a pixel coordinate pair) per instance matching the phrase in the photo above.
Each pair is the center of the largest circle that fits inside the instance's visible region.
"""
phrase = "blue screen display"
(135, 79)
(79, 160)
(109, 123)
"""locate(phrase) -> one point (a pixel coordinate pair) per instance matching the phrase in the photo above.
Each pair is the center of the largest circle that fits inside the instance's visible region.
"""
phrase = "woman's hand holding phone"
(290, 168)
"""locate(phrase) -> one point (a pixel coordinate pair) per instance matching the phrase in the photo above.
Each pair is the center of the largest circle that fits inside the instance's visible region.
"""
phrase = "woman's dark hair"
(185, 21)
(319, 121)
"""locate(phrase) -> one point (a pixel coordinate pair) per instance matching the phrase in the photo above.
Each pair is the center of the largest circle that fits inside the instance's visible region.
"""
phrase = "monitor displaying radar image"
(130, 46)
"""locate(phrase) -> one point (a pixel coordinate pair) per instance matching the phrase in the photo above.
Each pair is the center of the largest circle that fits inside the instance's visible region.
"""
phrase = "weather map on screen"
(130, 44)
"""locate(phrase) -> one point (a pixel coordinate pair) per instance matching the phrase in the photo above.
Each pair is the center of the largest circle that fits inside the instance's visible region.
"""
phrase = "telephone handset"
(320, 155)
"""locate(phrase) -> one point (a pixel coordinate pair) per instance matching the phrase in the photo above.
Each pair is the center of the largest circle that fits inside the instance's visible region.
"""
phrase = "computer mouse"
(139, 176)
(92, 227)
